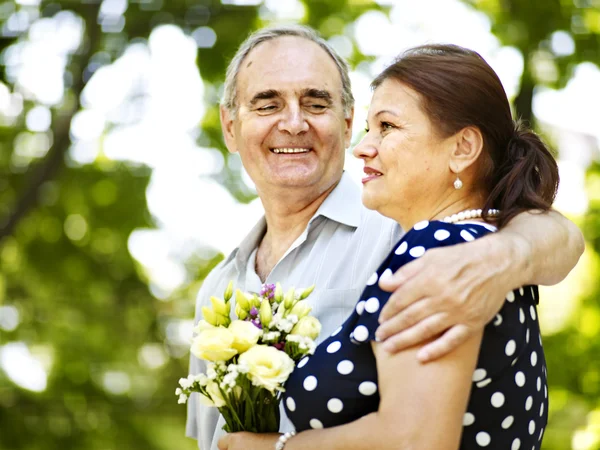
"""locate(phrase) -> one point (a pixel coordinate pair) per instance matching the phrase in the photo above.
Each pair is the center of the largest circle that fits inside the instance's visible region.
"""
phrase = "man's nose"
(293, 121)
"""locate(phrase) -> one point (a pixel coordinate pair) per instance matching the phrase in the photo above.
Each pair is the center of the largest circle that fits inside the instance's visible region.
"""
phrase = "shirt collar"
(342, 205)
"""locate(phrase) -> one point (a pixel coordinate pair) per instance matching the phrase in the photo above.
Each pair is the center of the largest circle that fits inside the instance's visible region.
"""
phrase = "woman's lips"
(371, 174)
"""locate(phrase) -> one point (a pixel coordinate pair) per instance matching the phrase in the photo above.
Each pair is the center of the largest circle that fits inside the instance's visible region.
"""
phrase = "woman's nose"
(365, 148)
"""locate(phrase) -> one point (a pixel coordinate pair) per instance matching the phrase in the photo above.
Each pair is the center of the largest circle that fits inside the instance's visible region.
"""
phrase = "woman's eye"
(386, 126)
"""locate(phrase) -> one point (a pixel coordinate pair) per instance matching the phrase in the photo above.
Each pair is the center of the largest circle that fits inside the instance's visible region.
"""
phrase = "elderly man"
(287, 111)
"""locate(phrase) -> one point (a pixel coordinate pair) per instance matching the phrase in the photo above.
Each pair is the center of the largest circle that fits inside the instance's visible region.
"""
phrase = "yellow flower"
(307, 326)
(306, 292)
(241, 300)
(220, 306)
(240, 312)
(301, 309)
(266, 313)
(202, 326)
(214, 318)
(267, 366)
(215, 344)
(228, 291)
(245, 335)
(289, 299)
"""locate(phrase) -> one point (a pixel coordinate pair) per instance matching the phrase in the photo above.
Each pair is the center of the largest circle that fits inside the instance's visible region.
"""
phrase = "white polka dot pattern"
(417, 252)
(334, 347)
(367, 388)
(335, 405)
(345, 367)
(507, 423)
(441, 235)
(316, 424)
(310, 383)
(372, 279)
(290, 403)
(508, 402)
(372, 305)
(421, 225)
(360, 307)
(361, 333)
(401, 248)
(497, 399)
(468, 419)
(483, 439)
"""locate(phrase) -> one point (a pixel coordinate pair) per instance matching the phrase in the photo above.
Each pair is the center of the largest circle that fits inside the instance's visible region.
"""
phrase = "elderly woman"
(444, 158)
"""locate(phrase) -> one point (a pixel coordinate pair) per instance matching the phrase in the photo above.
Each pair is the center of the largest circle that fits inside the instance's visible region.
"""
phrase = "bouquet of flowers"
(250, 357)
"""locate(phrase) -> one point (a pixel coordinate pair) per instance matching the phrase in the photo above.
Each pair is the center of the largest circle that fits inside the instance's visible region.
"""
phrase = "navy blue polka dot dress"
(508, 404)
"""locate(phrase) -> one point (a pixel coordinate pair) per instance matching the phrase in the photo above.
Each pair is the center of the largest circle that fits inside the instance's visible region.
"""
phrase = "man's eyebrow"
(318, 93)
(264, 95)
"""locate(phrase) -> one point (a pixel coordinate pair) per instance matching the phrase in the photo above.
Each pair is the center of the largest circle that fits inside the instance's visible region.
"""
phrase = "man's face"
(290, 129)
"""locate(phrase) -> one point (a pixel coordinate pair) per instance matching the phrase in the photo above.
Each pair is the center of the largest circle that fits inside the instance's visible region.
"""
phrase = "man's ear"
(228, 128)
(348, 131)
(468, 145)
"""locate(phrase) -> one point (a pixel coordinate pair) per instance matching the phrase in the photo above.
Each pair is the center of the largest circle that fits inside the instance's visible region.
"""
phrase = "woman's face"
(407, 174)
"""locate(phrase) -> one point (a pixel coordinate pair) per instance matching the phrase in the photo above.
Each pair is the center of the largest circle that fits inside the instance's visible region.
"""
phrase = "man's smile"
(290, 150)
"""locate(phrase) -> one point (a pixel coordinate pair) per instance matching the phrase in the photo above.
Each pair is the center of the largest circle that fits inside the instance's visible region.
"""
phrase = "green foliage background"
(84, 304)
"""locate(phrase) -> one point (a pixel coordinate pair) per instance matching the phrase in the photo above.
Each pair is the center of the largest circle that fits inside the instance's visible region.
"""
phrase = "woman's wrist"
(280, 444)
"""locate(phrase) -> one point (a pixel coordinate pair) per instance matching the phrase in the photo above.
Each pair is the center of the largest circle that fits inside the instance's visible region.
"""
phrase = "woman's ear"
(468, 146)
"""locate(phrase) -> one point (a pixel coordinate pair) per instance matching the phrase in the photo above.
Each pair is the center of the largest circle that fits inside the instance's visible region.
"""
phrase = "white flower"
(271, 336)
(185, 383)
(201, 379)
(182, 399)
(211, 373)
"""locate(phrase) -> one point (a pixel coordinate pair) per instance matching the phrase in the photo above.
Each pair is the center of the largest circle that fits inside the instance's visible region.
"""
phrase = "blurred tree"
(69, 289)
(552, 35)
(70, 292)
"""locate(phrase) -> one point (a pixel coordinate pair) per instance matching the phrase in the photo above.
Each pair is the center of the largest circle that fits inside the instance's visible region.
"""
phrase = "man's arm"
(457, 291)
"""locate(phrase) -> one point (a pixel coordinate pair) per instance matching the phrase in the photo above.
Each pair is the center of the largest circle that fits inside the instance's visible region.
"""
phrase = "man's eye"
(318, 107)
(266, 108)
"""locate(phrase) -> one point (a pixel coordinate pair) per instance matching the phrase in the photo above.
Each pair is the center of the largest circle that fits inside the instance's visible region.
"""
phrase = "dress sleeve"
(423, 237)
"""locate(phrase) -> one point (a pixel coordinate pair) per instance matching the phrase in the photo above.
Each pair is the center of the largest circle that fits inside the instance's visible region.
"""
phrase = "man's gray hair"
(269, 33)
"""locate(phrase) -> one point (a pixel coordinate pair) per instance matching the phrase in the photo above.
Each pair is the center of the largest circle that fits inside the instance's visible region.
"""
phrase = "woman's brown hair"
(459, 89)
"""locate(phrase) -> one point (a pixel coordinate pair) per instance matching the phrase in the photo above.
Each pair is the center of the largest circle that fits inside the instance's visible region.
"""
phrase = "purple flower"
(279, 346)
(254, 311)
(268, 290)
(257, 324)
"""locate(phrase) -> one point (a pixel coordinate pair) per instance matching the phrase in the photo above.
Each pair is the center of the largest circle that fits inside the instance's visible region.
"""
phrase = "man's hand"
(449, 293)
(248, 441)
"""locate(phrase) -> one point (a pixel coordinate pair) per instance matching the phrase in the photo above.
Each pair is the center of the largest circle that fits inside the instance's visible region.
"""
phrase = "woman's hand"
(248, 441)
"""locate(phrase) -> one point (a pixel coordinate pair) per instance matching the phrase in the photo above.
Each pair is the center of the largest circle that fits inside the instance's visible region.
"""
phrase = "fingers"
(404, 319)
(413, 290)
(223, 442)
(406, 272)
(445, 344)
(426, 329)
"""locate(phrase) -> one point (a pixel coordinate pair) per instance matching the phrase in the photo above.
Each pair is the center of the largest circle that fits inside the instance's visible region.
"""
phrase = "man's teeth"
(291, 150)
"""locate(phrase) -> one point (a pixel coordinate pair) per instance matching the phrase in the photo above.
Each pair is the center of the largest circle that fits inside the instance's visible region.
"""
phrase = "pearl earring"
(457, 183)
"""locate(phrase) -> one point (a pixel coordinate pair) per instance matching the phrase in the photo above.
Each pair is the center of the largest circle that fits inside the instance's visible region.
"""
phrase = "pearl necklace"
(470, 214)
